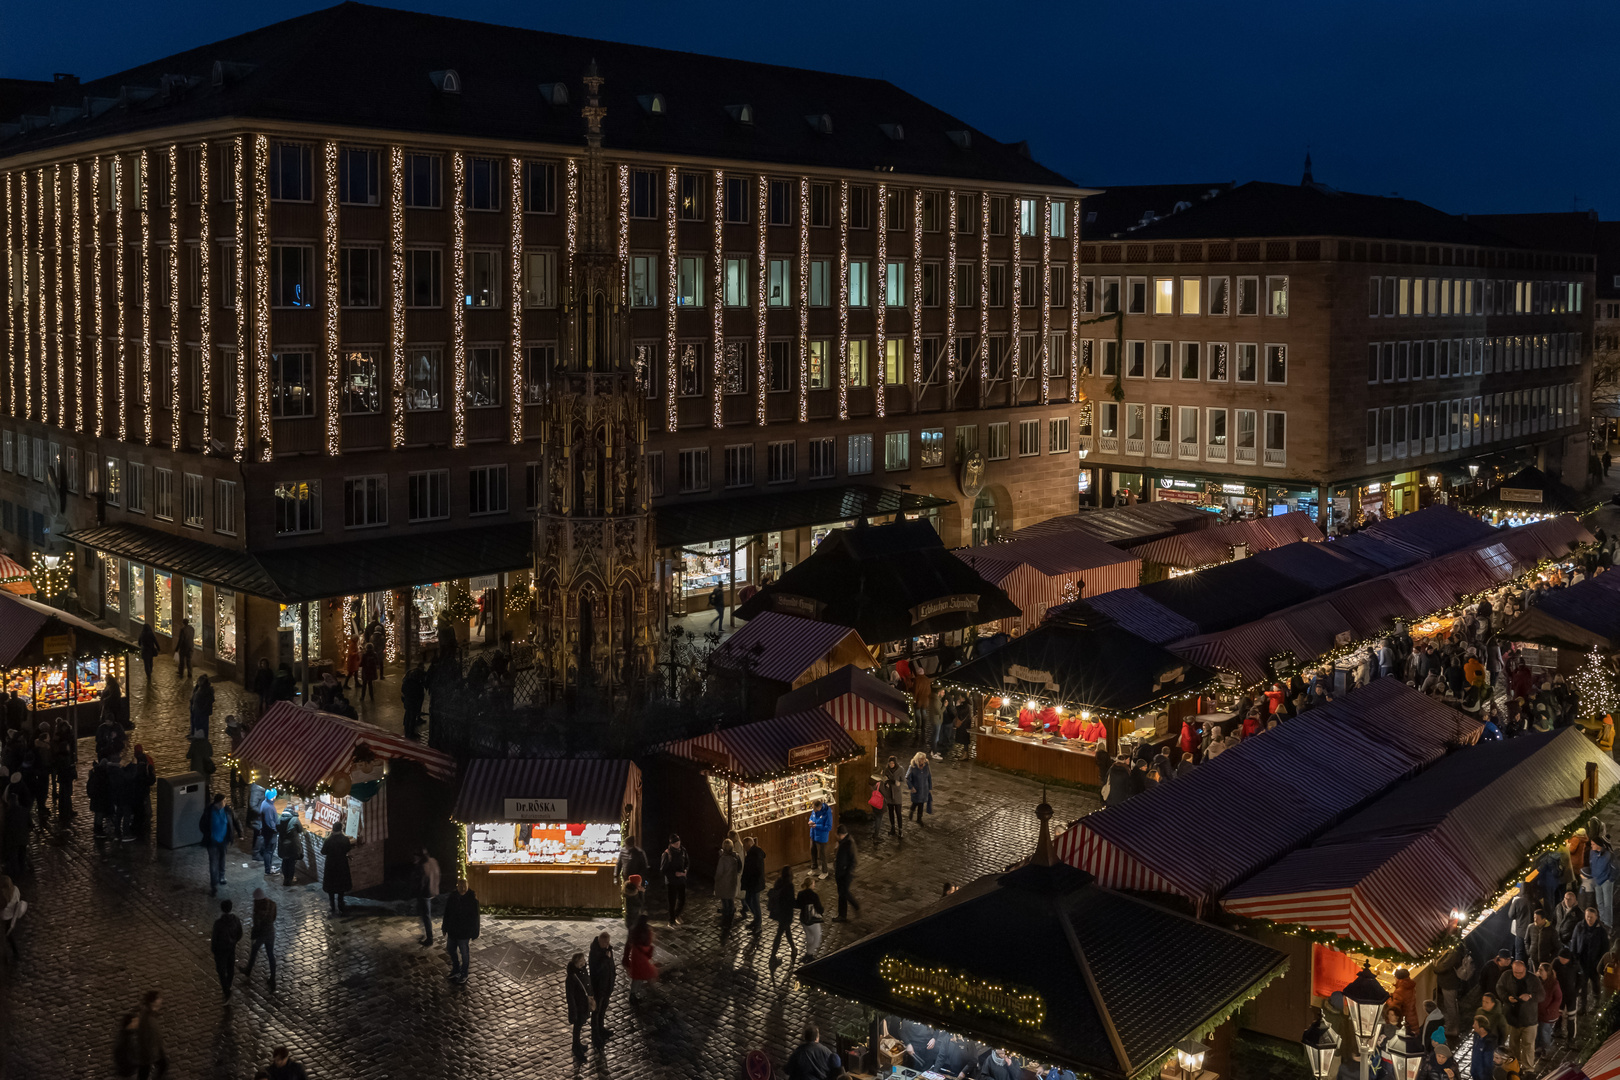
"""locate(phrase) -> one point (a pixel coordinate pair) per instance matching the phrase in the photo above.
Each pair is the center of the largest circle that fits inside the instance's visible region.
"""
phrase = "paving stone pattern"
(358, 997)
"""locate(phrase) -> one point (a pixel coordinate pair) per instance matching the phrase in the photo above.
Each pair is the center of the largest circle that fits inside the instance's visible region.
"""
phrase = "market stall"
(1055, 697)
(1187, 553)
(774, 653)
(1528, 495)
(13, 578)
(547, 832)
(390, 795)
(755, 779)
(1040, 572)
(863, 705)
(1042, 963)
(57, 663)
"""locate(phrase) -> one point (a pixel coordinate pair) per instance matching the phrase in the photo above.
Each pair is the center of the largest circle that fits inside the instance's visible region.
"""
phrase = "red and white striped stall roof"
(783, 647)
(304, 747)
(1040, 572)
(1605, 1063)
(854, 698)
(759, 750)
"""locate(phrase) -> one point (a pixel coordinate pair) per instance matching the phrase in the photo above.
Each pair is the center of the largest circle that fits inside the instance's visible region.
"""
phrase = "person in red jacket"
(1550, 1007)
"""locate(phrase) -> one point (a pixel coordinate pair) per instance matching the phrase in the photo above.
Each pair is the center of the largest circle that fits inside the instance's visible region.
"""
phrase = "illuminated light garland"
(396, 296)
(572, 245)
(1015, 271)
(624, 220)
(11, 319)
(1072, 221)
(239, 191)
(205, 296)
(458, 308)
(804, 300)
(843, 300)
(1046, 300)
(59, 409)
(261, 294)
(43, 294)
(949, 988)
(120, 320)
(761, 375)
(78, 303)
(331, 287)
(98, 337)
(515, 292)
(175, 432)
(717, 306)
(984, 294)
(951, 358)
(144, 194)
(26, 359)
(671, 304)
(916, 300)
(880, 333)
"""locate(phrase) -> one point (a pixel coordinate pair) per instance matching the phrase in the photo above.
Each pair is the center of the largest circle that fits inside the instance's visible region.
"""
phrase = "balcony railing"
(1161, 447)
(1276, 457)
(1244, 454)
(1108, 444)
(1215, 453)
(1188, 451)
(1135, 446)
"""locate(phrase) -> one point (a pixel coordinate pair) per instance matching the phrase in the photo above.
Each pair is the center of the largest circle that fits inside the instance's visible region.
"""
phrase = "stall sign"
(57, 644)
(1229, 680)
(958, 990)
(708, 757)
(944, 605)
(1233, 489)
(1179, 496)
(537, 810)
(790, 604)
(1524, 495)
(809, 752)
(1034, 675)
(324, 814)
(1170, 677)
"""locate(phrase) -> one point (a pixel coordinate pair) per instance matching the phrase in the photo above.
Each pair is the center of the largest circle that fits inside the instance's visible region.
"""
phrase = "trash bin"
(181, 800)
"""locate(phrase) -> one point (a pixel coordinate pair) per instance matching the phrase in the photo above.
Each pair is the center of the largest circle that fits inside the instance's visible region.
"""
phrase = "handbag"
(876, 801)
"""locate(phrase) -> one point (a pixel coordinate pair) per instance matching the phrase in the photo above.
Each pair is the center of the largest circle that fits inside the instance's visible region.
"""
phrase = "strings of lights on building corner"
(261, 295)
(98, 338)
(951, 359)
(843, 300)
(396, 296)
(761, 348)
(717, 307)
(1072, 223)
(23, 406)
(331, 297)
(1046, 300)
(458, 297)
(239, 286)
(916, 300)
(881, 303)
(205, 288)
(76, 212)
(121, 316)
(984, 294)
(43, 296)
(175, 338)
(11, 275)
(671, 304)
(514, 197)
(62, 395)
(143, 193)
(1015, 351)
(804, 300)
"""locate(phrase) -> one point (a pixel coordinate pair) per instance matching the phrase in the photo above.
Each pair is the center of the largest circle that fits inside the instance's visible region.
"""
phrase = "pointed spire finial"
(1307, 179)
(1045, 854)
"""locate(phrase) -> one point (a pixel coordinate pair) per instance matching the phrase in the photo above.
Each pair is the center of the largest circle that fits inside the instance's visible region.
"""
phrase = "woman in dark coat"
(1119, 782)
(335, 877)
(202, 707)
(577, 991)
(289, 843)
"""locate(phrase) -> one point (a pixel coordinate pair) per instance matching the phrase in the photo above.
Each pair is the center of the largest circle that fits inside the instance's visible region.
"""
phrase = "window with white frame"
(860, 283)
(486, 490)
(1276, 438)
(740, 465)
(134, 487)
(643, 281)
(1029, 217)
(689, 281)
(483, 179)
(897, 451)
(1248, 296)
(931, 448)
(823, 459)
(737, 291)
(998, 441)
(694, 470)
(484, 377)
(540, 280)
(1277, 364)
(1136, 290)
(483, 279)
(225, 507)
(779, 284)
(1164, 296)
(1277, 296)
(365, 501)
(1246, 369)
(858, 457)
(781, 464)
(428, 495)
(162, 493)
(821, 290)
(114, 480)
(194, 509)
(655, 476)
(1057, 435)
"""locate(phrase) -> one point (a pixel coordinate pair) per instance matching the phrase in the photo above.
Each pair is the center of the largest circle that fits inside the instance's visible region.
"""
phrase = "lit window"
(297, 504)
(1189, 295)
(1164, 296)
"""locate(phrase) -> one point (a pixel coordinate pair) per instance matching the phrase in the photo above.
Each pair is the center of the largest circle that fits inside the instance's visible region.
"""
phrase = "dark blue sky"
(1485, 107)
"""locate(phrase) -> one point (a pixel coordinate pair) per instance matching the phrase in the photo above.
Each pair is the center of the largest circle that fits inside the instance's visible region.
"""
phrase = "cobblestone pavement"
(358, 997)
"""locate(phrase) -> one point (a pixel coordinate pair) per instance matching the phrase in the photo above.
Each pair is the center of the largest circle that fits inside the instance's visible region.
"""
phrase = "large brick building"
(1271, 346)
(283, 310)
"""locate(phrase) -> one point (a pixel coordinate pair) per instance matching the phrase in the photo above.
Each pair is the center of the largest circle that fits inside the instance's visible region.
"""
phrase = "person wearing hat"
(1568, 973)
(1438, 1064)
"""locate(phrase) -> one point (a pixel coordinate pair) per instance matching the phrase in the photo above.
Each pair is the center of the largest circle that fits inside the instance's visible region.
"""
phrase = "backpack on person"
(1465, 967)
(777, 904)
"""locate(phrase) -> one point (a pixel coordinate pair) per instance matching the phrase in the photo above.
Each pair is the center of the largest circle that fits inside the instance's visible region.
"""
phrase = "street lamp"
(1364, 1000)
(1405, 1052)
(1321, 1044)
(1473, 470)
(1190, 1056)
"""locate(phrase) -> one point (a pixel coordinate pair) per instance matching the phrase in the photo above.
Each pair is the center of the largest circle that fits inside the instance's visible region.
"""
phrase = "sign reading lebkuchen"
(809, 752)
(943, 605)
(1525, 495)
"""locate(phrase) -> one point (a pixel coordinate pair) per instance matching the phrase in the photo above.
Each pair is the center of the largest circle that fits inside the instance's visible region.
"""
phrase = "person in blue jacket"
(820, 831)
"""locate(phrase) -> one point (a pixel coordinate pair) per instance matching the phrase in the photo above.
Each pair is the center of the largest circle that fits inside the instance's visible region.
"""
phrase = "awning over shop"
(31, 632)
(600, 790)
(689, 522)
(1604, 1064)
(1044, 962)
(13, 578)
(1584, 616)
(1085, 660)
(1123, 526)
(1217, 544)
(852, 697)
(786, 648)
(303, 748)
(1041, 571)
(291, 575)
(1445, 840)
(887, 582)
(1290, 783)
(768, 748)
(1531, 491)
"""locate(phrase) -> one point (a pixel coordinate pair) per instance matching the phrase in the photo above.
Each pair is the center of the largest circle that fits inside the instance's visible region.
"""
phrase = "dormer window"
(554, 93)
(447, 81)
(962, 139)
(893, 131)
(820, 123)
(743, 114)
(654, 104)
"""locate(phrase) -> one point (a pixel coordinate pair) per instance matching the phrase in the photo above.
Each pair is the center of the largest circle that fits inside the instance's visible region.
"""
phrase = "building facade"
(1275, 347)
(279, 345)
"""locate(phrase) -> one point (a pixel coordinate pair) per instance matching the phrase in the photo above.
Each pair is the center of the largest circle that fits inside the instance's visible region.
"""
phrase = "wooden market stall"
(1041, 572)
(774, 653)
(57, 663)
(863, 705)
(756, 779)
(390, 795)
(547, 832)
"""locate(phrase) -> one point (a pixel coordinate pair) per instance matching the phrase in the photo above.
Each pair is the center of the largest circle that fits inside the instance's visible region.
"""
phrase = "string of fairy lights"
(843, 300)
(1074, 307)
(239, 167)
(671, 303)
(951, 359)
(804, 300)
(143, 193)
(396, 295)
(41, 294)
(331, 298)
(12, 275)
(261, 295)
(1015, 359)
(175, 436)
(761, 279)
(62, 396)
(96, 309)
(880, 304)
(120, 314)
(205, 291)
(717, 307)
(1046, 300)
(916, 300)
(458, 292)
(984, 295)
(77, 212)
(27, 409)
(514, 198)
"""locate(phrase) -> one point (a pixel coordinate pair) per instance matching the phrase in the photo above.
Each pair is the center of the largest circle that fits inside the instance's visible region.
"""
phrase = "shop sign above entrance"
(961, 992)
(1524, 495)
(809, 752)
(1179, 485)
(56, 644)
(791, 604)
(1034, 675)
(944, 605)
(537, 810)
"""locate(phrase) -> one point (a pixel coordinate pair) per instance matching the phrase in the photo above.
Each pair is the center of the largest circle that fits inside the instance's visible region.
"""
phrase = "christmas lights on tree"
(1595, 687)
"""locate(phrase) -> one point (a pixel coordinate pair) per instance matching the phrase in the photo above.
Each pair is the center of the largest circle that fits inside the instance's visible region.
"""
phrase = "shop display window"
(530, 843)
(49, 685)
(225, 624)
(162, 603)
(703, 566)
(753, 805)
(326, 812)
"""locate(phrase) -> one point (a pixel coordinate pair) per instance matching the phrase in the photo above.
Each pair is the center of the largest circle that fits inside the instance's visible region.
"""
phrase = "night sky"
(1483, 107)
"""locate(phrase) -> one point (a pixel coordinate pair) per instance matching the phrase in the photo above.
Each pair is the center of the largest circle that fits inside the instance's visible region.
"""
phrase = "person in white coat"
(727, 883)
